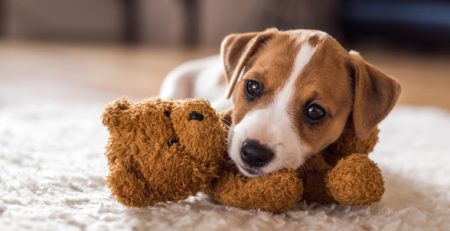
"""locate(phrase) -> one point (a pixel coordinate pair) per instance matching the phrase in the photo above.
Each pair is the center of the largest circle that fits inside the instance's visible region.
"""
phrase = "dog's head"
(293, 92)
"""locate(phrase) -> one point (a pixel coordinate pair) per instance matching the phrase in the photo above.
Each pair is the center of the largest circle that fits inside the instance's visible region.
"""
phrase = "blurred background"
(98, 50)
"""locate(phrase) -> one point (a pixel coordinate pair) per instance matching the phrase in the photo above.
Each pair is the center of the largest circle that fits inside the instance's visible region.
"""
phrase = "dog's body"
(203, 78)
(291, 93)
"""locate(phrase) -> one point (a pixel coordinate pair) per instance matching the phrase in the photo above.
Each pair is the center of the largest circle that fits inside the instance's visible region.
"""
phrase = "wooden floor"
(73, 72)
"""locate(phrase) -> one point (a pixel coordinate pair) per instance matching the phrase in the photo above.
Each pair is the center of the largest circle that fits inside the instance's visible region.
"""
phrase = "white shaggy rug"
(52, 173)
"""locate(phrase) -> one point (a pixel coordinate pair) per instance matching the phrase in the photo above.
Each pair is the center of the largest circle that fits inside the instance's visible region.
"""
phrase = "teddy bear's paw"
(276, 192)
(135, 186)
(129, 188)
(199, 130)
(355, 180)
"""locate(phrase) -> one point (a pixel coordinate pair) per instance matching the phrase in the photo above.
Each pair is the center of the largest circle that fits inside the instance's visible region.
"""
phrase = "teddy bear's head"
(170, 149)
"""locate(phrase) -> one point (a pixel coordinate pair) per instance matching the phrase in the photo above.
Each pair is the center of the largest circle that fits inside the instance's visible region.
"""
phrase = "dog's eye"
(253, 89)
(314, 113)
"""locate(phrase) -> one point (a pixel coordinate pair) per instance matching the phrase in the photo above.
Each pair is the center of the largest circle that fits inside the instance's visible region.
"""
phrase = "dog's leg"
(203, 78)
(179, 83)
(193, 79)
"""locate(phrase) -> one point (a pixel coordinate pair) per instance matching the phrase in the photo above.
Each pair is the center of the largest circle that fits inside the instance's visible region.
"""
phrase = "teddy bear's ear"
(114, 112)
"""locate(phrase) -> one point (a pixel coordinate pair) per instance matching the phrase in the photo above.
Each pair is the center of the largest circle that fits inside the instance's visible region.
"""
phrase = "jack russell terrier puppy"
(290, 92)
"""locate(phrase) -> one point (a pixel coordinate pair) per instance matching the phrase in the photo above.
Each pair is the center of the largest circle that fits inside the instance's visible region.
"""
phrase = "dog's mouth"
(250, 172)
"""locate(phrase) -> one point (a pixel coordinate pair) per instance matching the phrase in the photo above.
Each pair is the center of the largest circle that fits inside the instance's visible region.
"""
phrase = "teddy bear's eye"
(196, 116)
(167, 114)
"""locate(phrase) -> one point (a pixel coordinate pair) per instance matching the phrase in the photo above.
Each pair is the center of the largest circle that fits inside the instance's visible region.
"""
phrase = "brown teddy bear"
(162, 151)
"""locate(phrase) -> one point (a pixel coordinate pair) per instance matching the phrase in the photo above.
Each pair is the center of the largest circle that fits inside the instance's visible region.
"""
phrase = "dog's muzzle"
(255, 154)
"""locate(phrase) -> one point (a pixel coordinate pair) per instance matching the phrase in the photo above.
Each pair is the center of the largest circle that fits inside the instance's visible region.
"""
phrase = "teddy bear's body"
(168, 150)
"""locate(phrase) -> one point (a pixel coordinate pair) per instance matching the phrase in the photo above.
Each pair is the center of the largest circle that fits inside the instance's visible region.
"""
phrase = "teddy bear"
(168, 150)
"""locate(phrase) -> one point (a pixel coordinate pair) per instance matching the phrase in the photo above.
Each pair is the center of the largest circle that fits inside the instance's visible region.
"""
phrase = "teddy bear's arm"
(355, 180)
(129, 186)
(276, 192)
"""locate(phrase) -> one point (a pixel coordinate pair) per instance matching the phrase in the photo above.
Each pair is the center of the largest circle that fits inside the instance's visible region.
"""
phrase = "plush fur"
(162, 151)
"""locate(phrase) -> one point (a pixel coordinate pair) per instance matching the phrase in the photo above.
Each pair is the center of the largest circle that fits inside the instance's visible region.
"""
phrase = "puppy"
(290, 93)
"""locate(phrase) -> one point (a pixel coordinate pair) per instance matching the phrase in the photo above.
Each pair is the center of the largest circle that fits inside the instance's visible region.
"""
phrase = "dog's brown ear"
(237, 49)
(375, 94)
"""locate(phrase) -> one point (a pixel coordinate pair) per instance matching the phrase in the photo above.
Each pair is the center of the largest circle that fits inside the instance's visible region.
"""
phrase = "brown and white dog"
(292, 92)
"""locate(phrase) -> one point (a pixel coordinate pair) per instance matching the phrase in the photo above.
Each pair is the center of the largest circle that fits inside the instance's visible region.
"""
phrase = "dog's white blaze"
(274, 126)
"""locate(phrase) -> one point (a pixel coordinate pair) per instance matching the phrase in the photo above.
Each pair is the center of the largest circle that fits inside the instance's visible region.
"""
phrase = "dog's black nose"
(255, 154)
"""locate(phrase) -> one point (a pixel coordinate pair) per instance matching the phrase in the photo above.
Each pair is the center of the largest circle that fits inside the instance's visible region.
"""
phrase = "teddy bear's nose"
(196, 116)
(172, 140)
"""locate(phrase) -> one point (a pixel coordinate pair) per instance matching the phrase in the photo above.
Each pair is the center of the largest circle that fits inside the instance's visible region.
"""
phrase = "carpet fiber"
(52, 171)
